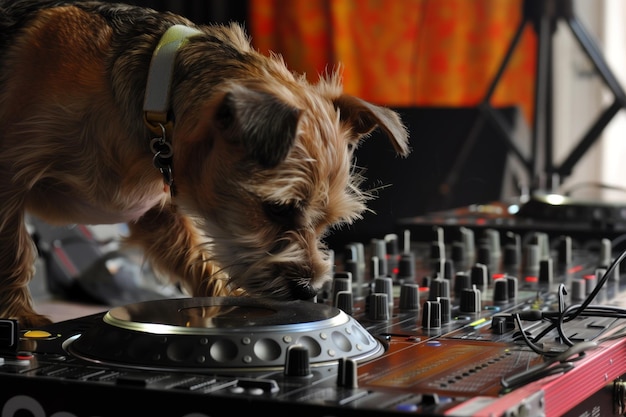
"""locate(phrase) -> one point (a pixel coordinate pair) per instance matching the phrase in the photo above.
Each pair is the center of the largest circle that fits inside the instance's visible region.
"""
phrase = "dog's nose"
(302, 290)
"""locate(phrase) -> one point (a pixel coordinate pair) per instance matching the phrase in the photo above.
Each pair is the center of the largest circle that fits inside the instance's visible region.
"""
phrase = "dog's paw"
(33, 321)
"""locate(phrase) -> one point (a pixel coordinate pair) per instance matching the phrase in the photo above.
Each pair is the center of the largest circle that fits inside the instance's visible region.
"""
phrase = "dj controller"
(468, 322)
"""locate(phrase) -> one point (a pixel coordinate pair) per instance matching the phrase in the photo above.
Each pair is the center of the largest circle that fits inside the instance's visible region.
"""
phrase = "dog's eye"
(280, 211)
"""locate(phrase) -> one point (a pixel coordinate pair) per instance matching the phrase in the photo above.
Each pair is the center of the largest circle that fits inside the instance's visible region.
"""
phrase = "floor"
(61, 310)
(55, 308)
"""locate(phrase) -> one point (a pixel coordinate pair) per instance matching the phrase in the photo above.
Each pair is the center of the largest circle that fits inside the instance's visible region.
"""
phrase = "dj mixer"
(467, 322)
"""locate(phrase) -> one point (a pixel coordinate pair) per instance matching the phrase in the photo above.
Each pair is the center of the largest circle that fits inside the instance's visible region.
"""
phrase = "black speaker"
(406, 187)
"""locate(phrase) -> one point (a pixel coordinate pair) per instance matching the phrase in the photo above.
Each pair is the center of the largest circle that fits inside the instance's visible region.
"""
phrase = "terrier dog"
(229, 168)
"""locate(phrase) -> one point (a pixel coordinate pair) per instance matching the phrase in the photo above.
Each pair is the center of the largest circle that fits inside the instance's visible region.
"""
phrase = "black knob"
(479, 275)
(546, 271)
(462, 281)
(446, 309)
(406, 267)
(578, 289)
(439, 288)
(459, 255)
(484, 255)
(378, 306)
(297, 361)
(470, 300)
(431, 315)
(409, 297)
(531, 261)
(511, 260)
(502, 324)
(467, 239)
(591, 282)
(512, 287)
(379, 249)
(341, 284)
(344, 301)
(448, 269)
(392, 245)
(437, 257)
(347, 373)
(385, 285)
(355, 261)
(606, 248)
(501, 291)
(352, 267)
(564, 251)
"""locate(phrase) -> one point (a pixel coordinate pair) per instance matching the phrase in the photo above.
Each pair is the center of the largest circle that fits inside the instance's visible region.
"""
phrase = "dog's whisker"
(375, 190)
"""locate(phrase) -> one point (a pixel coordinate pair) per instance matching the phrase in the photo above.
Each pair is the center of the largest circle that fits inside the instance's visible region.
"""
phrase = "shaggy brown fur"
(261, 164)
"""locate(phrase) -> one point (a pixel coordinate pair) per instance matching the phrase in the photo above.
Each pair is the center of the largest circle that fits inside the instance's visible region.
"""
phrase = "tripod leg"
(505, 61)
(588, 139)
(593, 52)
(543, 98)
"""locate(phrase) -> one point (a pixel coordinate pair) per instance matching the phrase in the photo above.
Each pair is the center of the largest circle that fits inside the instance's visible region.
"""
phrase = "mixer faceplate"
(210, 333)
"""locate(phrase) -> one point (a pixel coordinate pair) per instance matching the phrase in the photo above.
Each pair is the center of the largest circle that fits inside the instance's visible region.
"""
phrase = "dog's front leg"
(174, 247)
(17, 268)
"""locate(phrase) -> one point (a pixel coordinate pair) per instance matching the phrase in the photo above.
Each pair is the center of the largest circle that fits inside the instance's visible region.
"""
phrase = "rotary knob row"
(297, 365)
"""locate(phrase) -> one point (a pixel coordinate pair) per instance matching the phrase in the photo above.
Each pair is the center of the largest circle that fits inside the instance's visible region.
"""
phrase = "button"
(23, 356)
(37, 334)
(255, 391)
(406, 407)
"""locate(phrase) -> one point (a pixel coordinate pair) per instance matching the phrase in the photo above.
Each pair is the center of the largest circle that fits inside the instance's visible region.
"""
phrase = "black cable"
(586, 309)
(607, 274)
(561, 362)
(529, 342)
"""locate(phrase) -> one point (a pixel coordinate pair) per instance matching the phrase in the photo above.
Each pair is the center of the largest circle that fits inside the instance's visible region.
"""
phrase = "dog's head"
(266, 168)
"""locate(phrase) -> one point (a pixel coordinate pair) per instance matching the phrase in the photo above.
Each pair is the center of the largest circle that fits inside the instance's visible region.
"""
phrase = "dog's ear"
(364, 117)
(261, 122)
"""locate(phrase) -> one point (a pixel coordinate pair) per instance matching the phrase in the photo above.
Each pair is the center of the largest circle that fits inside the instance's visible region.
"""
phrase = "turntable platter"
(210, 333)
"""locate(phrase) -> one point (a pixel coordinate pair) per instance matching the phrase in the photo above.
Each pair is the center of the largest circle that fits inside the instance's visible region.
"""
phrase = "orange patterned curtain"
(404, 52)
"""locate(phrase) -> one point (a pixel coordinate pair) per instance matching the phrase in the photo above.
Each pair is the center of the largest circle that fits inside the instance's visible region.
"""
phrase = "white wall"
(613, 167)
(580, 96)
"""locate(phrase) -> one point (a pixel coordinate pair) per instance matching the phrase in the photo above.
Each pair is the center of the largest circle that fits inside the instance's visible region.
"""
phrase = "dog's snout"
(302, 290)
(299, 280)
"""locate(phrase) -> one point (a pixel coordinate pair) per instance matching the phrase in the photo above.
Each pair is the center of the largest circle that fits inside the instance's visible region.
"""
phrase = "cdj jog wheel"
(227, 333)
